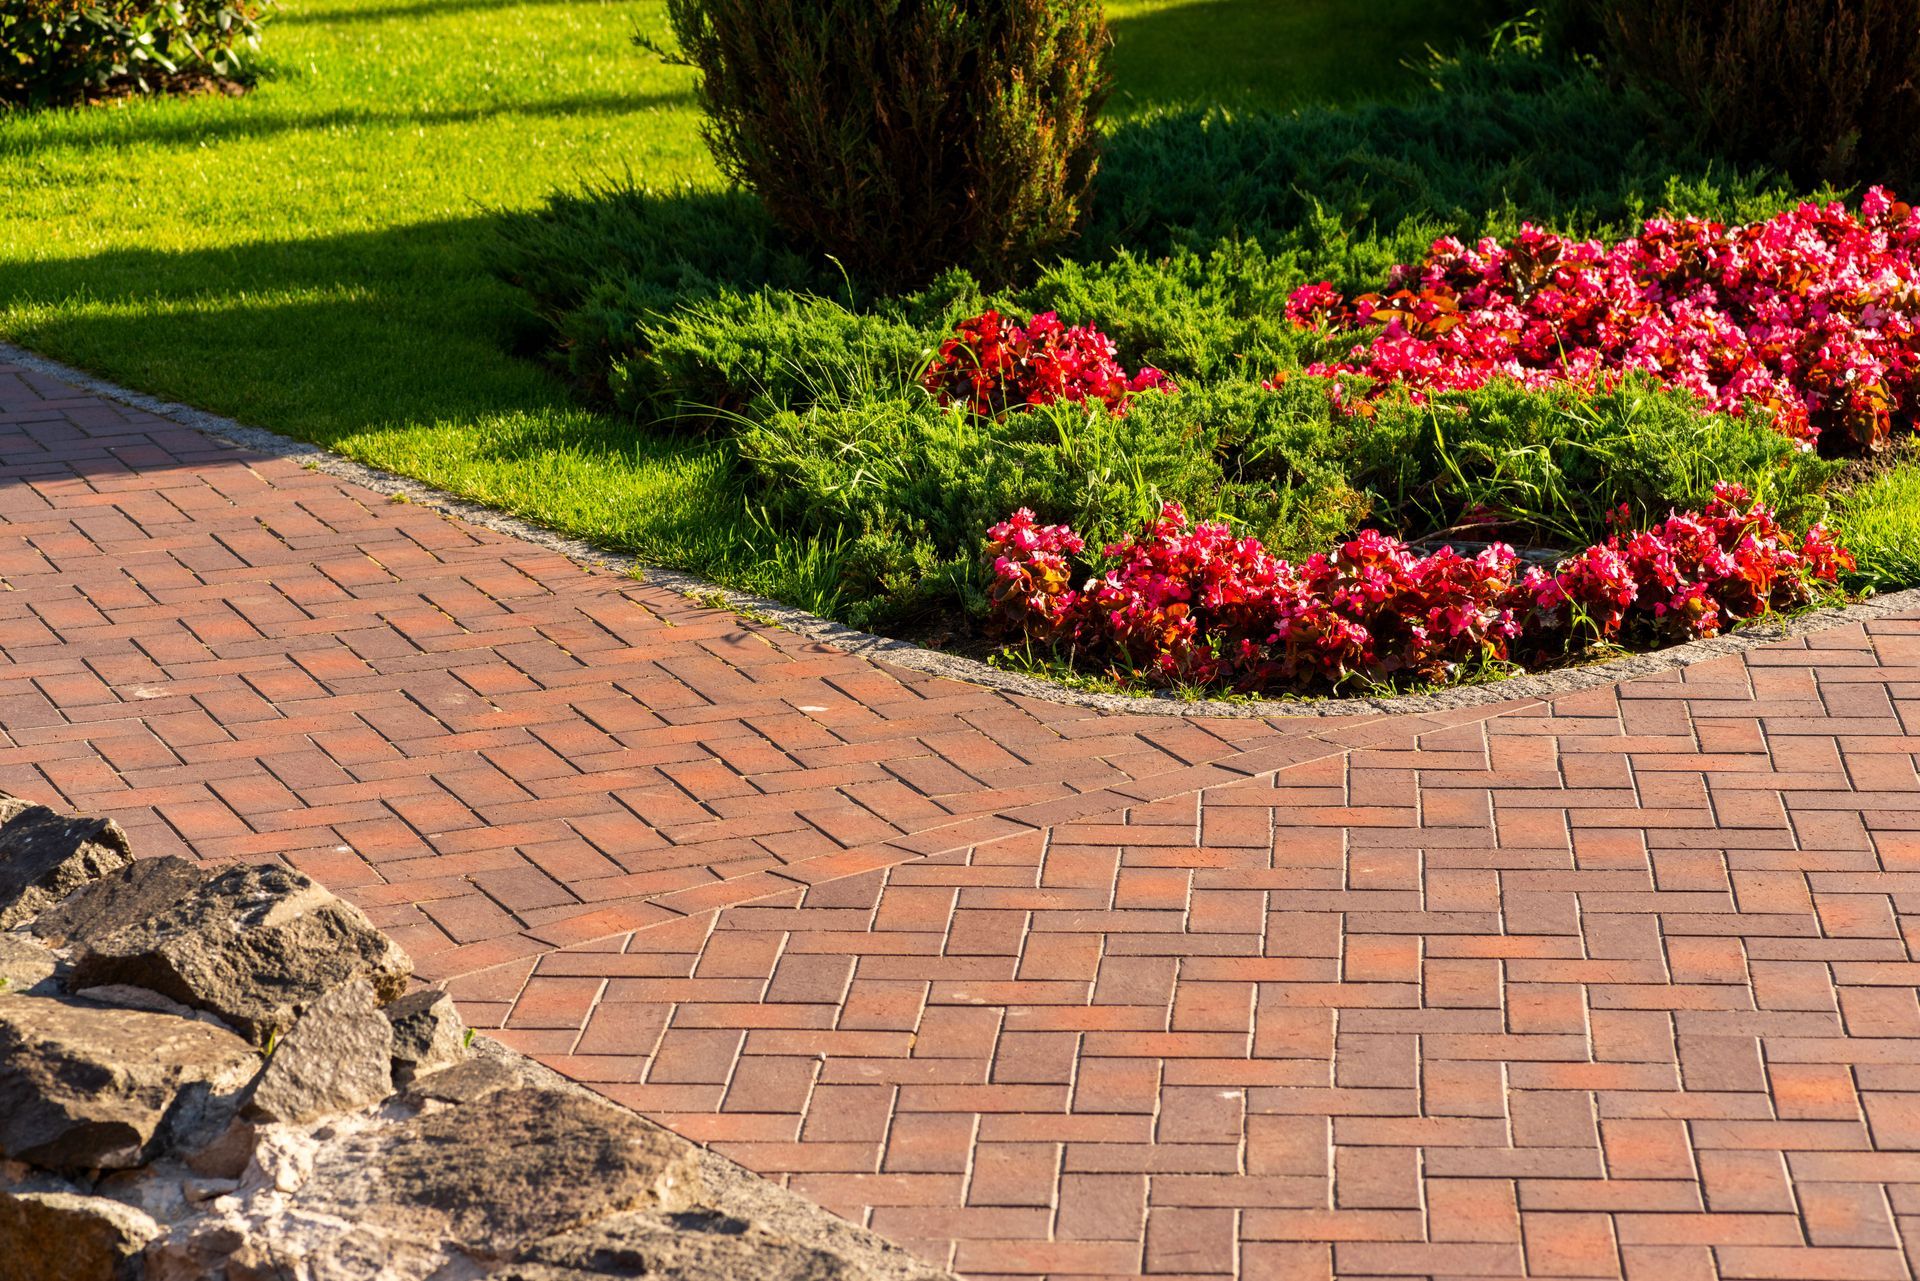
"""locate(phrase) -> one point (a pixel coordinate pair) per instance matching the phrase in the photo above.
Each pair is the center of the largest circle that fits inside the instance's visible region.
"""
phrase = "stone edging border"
(1530, 685)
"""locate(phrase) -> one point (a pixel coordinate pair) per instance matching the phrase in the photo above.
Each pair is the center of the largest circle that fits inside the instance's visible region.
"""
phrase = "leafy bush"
(1827, 90)
(712, 360)
(910, 484)
(66, 51)
(904, 137)
(1539, 468)
(1180, 603)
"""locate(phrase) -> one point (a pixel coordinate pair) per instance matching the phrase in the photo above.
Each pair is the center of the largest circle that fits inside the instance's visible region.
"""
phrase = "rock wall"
(225, 1077)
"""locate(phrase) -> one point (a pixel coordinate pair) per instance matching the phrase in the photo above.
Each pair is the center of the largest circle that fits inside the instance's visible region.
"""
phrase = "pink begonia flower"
(1812, 316)
(994, 365)
(1187, 602)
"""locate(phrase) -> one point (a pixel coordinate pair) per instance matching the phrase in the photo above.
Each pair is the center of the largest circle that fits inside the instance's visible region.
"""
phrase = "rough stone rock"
(494, 1176)
(45, 857)
(128, 997)
(692, 1247)
(337, 1058)
(253, 945)
(224, 1155)
(428, 1034)
(60, 1236)
(24, 964)
(446, 1195)
(229, 1245)
(464, 1082)
(141, 890)
(86, 1087)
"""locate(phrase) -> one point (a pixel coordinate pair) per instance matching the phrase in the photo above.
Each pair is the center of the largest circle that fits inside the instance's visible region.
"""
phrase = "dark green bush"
(1547, 467)
(905, 136)
(1827, 90)
(66, 51)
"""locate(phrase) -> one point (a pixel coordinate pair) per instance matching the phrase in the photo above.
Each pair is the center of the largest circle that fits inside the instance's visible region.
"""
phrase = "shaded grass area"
(316, 258)
(1281, 53)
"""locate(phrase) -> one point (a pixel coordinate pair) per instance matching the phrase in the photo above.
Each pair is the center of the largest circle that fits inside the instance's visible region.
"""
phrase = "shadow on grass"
(323, 337)
(409, 12)
(1286, 55)
(392, 348)
(241, 124)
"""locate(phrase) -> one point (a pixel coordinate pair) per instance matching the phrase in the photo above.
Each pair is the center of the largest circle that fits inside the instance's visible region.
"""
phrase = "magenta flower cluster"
(1181, 602)
(993, 364)
(1812, 315)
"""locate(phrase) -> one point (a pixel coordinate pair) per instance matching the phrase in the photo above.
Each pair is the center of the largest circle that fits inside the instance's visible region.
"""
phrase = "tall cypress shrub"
(1826, 90)
(904, 137)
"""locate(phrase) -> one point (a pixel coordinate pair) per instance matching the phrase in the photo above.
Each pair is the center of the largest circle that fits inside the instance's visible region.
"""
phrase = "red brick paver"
(1617, 985)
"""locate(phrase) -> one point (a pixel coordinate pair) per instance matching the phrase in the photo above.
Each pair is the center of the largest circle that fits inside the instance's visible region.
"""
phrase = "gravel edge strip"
(1530, 685)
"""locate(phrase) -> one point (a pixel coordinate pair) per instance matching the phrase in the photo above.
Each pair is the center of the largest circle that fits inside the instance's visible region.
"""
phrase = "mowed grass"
(315, 257)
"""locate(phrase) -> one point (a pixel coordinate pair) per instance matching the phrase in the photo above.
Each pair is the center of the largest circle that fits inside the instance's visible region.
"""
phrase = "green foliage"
(905, 488)
(903, 137)
(712, 359)
(910, 487)
(1546, 468)
(67, 51)
(1220, 313)
(1827, 90)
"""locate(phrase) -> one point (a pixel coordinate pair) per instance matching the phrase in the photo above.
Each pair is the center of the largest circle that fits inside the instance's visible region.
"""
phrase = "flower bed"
(1812, 316)
(1187, 603)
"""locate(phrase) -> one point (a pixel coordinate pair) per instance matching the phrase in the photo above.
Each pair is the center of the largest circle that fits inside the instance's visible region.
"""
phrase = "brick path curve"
(1615, 984)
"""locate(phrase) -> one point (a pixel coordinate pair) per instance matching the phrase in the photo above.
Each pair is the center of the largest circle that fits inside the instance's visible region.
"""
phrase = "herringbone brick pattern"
(1619, 985)
(494, 751)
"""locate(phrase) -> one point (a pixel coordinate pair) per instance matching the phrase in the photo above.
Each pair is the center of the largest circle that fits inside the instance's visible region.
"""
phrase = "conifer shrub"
(903, 137)
(1826, 90)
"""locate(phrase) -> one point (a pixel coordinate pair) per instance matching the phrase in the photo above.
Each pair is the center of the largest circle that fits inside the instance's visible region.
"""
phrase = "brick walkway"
(1617, 984)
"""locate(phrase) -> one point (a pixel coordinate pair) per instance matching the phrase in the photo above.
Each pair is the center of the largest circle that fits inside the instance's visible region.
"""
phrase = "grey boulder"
(87, 1087)
(24, 964)
(448, 1194)
(428, 1034)
(336, 1059)
(494, 1176)
(464, 1082)
(62, 1236)
(45, 857)
(140, 891)
(693, 1247)
(253, 945)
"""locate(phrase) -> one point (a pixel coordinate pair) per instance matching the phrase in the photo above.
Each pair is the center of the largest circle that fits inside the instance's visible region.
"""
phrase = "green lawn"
(313, 258)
